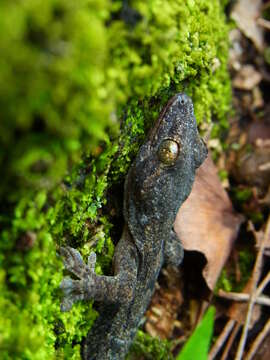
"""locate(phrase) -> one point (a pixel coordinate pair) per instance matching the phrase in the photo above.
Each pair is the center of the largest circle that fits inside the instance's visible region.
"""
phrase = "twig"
(243, 297)
(230, 342)
(263, 284)
(255, 277)
(263, 23)
(262, 300)
(259, 339)
(265, 6)
(221, 339)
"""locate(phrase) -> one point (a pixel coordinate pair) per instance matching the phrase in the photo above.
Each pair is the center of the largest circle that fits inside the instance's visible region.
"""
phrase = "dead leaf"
(247, 78)
(245, 13)
(207, 223)
(252, 163)
(257, 97)
(254, 168)
(236, 49)
(259, 131)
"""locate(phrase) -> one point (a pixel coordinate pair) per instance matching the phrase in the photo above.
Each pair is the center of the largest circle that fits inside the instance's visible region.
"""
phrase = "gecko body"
(158, 182)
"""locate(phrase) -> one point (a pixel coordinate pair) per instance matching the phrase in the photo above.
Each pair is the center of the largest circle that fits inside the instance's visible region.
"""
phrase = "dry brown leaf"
(236, 49)
(257, 97)
(247, 78)
(245, 13)
(254, 168)
(252, 165)
(259, 130)
(207, 223)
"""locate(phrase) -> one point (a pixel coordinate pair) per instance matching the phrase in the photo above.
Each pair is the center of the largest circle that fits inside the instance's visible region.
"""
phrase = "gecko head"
(162, 175)
(175, 137)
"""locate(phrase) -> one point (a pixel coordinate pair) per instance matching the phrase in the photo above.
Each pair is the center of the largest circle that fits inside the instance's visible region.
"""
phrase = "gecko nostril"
(183, 100)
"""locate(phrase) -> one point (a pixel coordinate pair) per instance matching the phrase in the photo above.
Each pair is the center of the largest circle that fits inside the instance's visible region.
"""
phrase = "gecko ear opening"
(200, 152)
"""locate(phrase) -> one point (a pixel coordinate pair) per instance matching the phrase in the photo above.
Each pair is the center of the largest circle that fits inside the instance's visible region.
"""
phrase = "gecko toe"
(66, 305)
(92, 258)
(73, 261)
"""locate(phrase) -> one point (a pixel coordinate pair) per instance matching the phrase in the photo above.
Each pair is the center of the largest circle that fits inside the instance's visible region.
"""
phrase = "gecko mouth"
(154, 131)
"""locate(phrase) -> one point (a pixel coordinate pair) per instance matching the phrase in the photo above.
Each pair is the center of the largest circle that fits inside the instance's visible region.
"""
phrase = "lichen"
(81, 82)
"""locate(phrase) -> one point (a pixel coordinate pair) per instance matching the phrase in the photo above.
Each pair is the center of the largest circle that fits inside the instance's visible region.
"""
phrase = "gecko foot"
(75, 290)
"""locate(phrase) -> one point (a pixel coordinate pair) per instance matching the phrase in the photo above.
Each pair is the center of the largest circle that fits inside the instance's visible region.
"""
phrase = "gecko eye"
(168, 151)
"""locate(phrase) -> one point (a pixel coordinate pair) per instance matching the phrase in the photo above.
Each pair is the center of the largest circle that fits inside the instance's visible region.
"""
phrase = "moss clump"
(151, 348)
(69, 71)
(228, 281)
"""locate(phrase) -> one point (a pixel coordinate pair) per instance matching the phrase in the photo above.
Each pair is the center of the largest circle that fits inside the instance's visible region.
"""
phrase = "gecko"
(158, 182)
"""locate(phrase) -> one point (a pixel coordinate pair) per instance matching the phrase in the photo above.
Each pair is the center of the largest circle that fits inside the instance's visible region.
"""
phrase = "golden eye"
(168, 151)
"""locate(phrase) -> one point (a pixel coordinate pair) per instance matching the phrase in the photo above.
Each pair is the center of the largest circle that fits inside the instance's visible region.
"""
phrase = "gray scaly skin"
(158, 182)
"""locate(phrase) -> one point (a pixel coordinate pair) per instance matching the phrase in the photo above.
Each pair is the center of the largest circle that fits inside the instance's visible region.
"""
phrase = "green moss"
(224, 282)
(246, 263)
(71, 75)
(256, 217)
(151, 348)
(242, 195)
(223, 174)
(227, 280)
